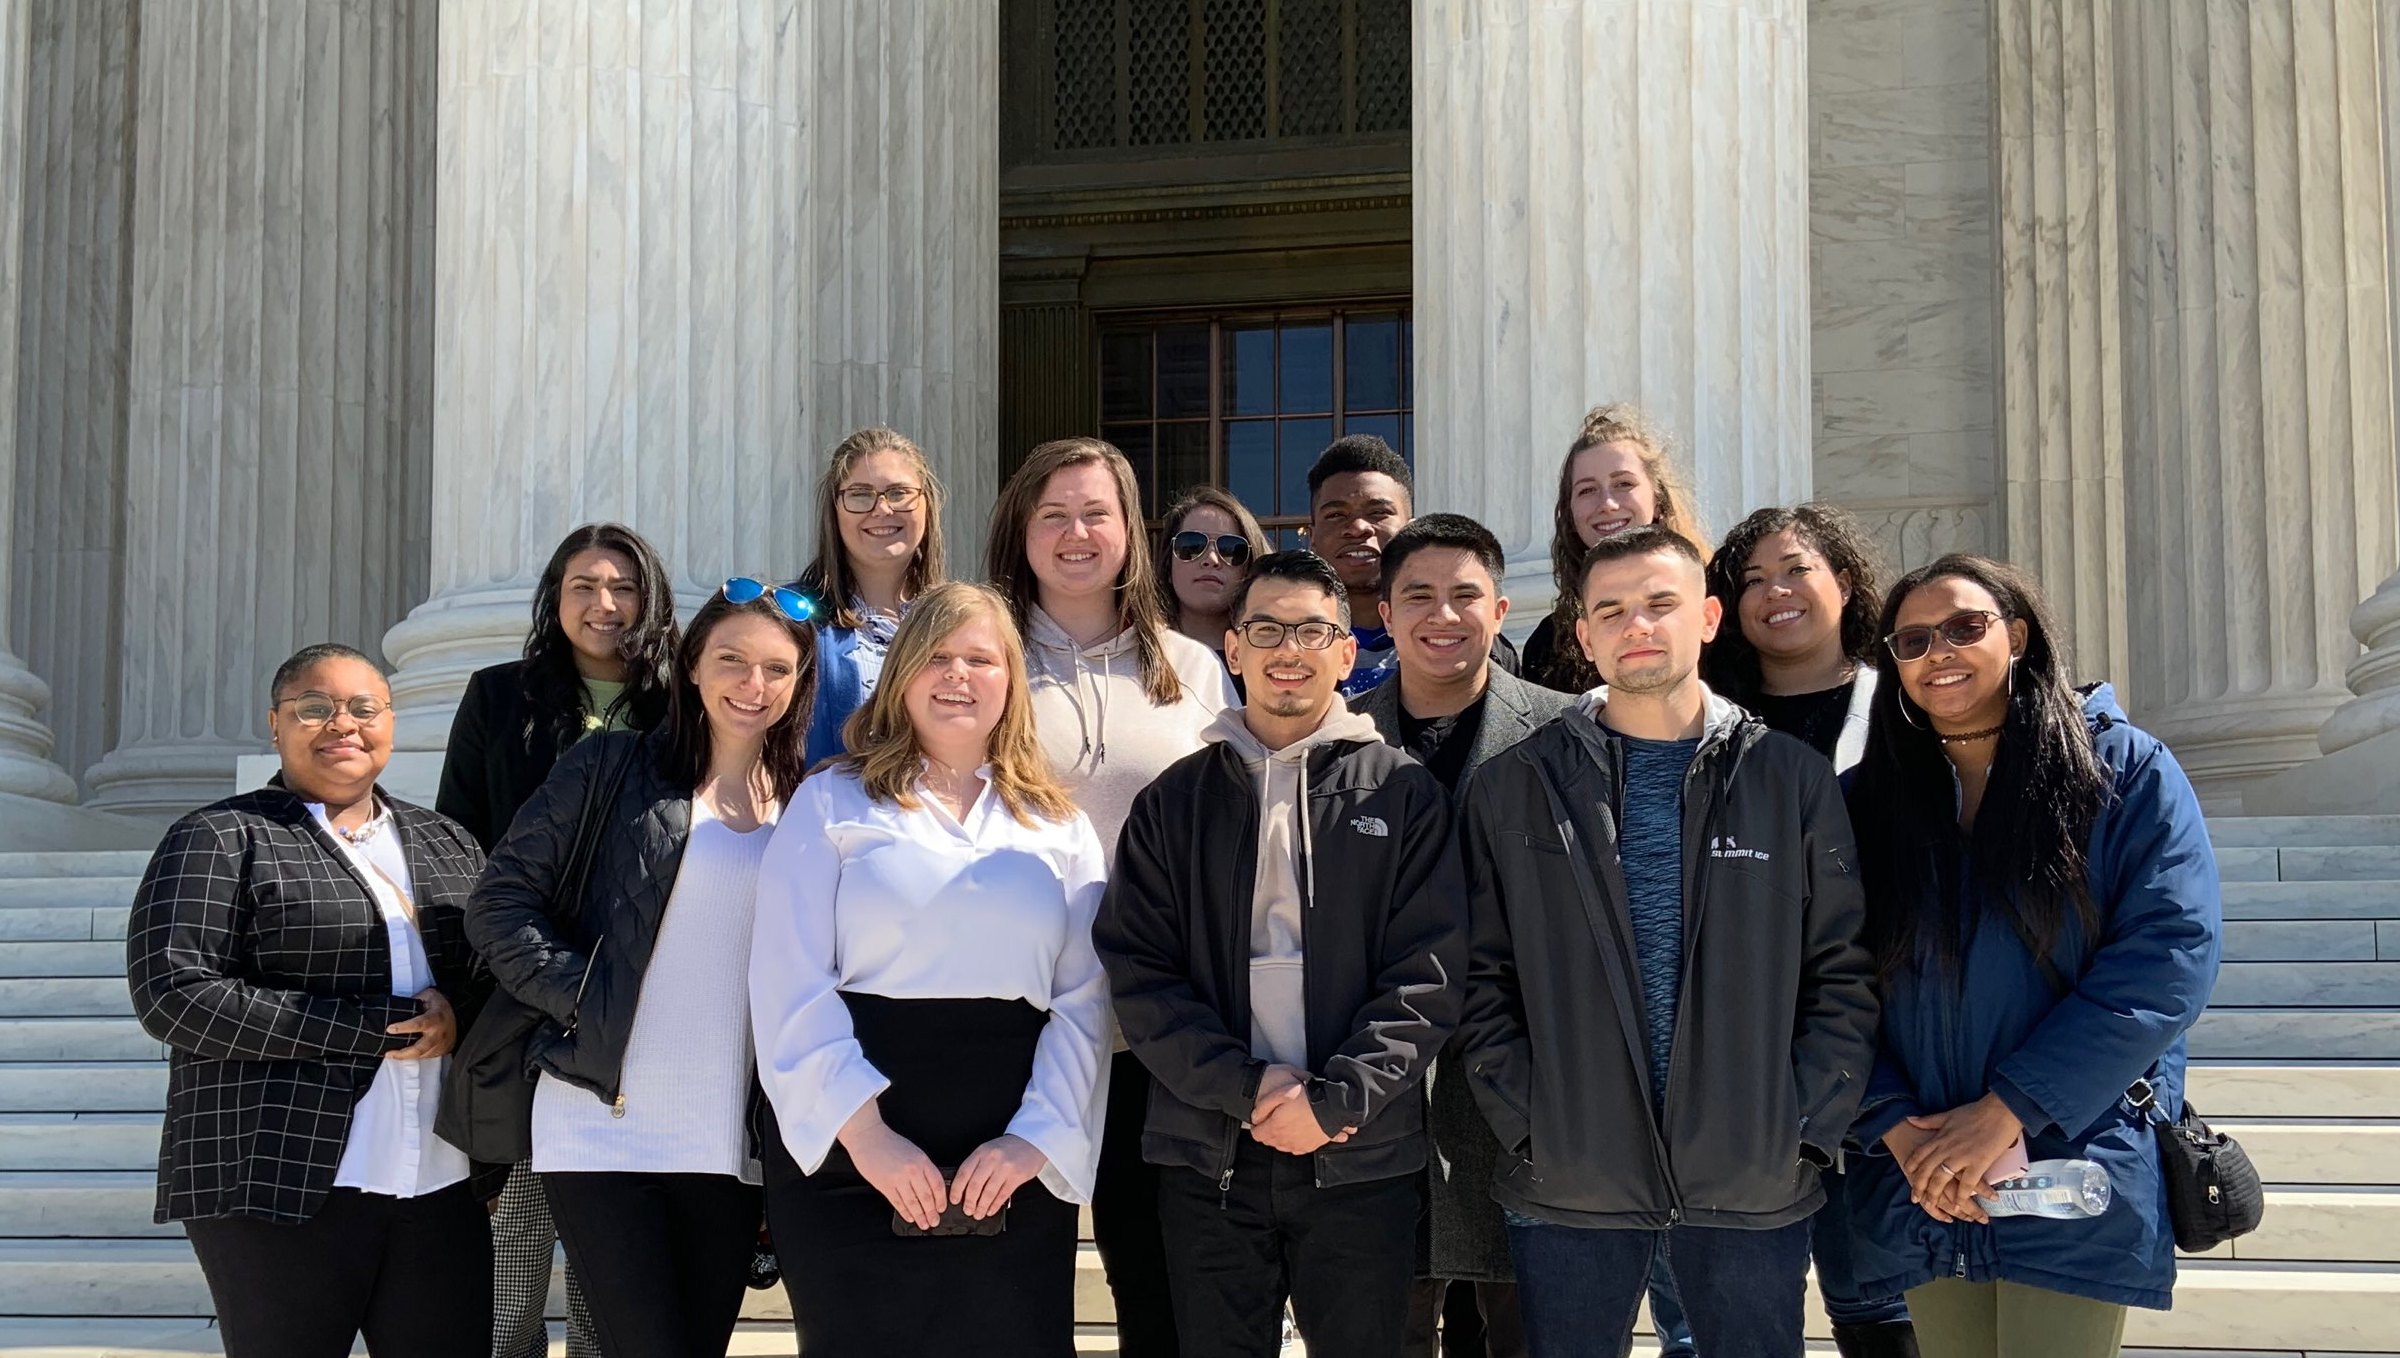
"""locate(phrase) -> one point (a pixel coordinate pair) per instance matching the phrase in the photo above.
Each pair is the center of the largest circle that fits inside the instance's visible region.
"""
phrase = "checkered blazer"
(257, 953)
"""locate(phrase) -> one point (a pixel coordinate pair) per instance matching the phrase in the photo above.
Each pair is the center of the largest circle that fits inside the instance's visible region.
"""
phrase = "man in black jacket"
(1284, 935)
(1669, 1017)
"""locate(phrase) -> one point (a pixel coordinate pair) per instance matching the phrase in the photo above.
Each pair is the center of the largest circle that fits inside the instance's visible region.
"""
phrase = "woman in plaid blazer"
(302, 952)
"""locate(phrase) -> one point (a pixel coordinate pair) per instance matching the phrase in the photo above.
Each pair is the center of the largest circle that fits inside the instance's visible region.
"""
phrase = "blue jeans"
(1666, 1312)
(1837, 1266)
(1580, 1287)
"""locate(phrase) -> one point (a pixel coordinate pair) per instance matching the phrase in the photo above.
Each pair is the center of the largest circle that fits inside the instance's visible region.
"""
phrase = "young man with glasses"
(1669, 1017)
(1283, 934)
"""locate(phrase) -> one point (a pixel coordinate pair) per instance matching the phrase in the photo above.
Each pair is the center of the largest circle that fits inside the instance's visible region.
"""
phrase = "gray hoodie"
(1278, 1000)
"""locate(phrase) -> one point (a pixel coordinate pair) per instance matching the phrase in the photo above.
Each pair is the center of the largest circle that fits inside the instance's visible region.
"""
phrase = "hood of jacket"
(1720, 715)
(1231, 731)
(1082, 672)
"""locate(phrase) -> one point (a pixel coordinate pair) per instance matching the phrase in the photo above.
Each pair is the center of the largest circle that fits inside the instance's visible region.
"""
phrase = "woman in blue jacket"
(879, 546)
(2041, 950)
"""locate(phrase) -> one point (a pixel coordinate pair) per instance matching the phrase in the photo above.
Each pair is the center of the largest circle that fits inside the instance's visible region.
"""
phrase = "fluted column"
(2258, 370)
(2062, 438)
(1610, 203)
(274, 370)
(25, 766)
(684, 246)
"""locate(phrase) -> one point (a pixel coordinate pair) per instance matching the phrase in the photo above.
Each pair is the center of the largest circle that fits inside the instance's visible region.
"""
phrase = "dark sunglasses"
(1191, 544)
(741, 589)
(1961, 630)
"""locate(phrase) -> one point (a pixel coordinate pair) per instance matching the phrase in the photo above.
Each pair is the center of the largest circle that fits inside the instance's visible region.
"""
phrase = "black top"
(1443, 743)
(1814, 717)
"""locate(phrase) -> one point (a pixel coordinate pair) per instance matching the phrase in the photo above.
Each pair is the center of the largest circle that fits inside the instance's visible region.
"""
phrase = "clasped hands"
(1948, 1157)
(1282, 1118)
(907, 1179)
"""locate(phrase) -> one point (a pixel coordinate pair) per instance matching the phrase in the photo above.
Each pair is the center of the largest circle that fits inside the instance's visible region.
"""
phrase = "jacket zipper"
(576, 1017)
(1711, 819)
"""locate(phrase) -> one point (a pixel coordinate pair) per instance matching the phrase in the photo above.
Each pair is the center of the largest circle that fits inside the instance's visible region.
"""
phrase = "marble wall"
(1902, 263)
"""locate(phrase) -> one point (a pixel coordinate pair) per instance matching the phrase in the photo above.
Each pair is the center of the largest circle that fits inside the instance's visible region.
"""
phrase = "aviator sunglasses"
(1961, 630)
(1191, 544)
(790, 602)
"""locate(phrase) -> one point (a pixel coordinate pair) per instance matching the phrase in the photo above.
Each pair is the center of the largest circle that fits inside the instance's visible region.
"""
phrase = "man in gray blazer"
(1451, 708)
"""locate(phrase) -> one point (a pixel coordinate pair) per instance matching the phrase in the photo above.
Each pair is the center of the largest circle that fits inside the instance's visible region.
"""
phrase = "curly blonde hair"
(1613, 422)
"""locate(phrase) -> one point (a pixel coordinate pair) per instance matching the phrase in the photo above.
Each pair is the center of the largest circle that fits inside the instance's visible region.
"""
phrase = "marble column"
(2258, 370)
(275, 384)
(1610, 203)
(2062, 437)
(684, 246)
(25, 766)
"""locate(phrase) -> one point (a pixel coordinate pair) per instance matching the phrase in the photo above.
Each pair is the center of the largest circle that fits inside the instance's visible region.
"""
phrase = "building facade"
(324, 319)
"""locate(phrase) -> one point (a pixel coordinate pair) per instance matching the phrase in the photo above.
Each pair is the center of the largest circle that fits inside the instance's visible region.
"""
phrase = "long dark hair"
(1730, 665)
(2045, 790)
(552, 686)
(827, 579)
(1200, 497)
(684, 748)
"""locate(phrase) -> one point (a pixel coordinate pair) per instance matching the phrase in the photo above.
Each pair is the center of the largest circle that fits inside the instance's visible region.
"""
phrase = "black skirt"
(958, 1070)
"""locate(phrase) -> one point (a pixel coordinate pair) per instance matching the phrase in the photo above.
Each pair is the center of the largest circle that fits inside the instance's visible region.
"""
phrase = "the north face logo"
(1724, 847)
(1371, 825)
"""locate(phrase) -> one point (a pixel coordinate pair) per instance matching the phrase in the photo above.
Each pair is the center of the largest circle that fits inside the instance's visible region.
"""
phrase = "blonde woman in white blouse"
(931, 1020)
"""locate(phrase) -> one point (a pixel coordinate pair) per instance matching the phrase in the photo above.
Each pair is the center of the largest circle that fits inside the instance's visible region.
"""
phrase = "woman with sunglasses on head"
(1117, 696)
(932, 1021)
(879, 546)
(597, 658)
(623, 996)
(300, 950)
(1799, 589)
(1616, 475)
(2043, 903)
(1205, 545)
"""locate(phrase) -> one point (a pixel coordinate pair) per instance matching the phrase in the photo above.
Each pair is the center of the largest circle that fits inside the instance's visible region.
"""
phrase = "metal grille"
(1383, 79)
(1083, 53)
(1237, 69)
(1159, 75)
(1309, 68)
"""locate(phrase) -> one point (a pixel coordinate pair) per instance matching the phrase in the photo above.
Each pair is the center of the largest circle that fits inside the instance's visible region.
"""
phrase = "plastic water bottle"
(2053, 1188)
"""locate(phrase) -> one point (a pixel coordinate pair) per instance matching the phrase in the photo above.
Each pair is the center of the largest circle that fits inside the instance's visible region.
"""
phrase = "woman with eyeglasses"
(932, 1021)
(1117, 696)
(879, 546)
(623, 998)
(1205, 545)
(597, 658)
(2043, 904)
(301, 951)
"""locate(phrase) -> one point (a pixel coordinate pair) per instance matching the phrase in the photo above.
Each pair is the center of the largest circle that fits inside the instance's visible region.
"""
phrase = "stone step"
(80, 1204)
(2277, 832)
(2348, 1225)
(82, 1087)
(66, 997)
(2339, 863)
(2281, 1308)
(65, 922)
(2246, 940)
(152, 1277)
(90, 863)
(72, 957)
(2325, 1089)
(2289, 1152)
(2248, 865)
(2373, 985)
(80, 1141)
(2312, 900)
(77, 1039)
(96, 892)
(2298, 1034)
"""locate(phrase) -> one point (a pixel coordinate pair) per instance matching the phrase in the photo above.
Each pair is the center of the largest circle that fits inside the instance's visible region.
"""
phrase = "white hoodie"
(1278, 992)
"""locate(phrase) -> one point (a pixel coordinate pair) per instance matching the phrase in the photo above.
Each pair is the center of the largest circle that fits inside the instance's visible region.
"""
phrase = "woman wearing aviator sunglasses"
(616, 918)
(1205, 545)
(879, 546)
(2043, 903)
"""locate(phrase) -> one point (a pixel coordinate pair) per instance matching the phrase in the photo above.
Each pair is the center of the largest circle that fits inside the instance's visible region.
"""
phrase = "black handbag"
(2213, 1191)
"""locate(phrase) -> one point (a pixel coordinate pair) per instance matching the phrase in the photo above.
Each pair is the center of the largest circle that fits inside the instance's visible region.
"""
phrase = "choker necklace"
(1969, 737)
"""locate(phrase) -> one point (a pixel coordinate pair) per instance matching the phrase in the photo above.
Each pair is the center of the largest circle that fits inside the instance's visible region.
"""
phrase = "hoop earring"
(1902, 704)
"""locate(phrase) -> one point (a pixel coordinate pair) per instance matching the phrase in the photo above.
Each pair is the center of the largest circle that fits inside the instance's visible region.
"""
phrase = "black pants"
(1453, 1318)
(412, 1274)
(664, 1257)
(1125, 1219)
(1344, 1256)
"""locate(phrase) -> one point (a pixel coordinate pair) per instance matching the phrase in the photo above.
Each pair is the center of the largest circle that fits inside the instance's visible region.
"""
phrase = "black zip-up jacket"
(1774, 1034)
(1383, 953)
(568, 980)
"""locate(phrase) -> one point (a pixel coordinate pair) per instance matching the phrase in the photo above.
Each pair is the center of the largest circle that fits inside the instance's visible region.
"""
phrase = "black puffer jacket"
(1774, 1034)
(569, 979)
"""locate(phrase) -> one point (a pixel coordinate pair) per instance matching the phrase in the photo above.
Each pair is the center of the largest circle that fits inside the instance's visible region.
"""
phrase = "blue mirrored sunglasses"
(741, 589)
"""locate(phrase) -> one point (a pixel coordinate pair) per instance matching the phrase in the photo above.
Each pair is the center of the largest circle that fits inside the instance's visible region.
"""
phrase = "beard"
(1655, 676)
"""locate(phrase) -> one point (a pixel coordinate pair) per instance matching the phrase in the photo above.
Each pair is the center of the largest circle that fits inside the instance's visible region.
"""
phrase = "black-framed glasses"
(1265, 634)
(315, 709)
(864, 499)
(1961, 630)
(741, 589)
(1191, 544)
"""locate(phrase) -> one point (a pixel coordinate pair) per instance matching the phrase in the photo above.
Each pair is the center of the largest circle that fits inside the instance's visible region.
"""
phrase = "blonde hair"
(827, 579)
(1612, 422)
(883, 741)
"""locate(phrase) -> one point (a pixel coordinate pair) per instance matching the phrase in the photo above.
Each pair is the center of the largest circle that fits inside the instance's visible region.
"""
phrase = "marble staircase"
(2299, 1055)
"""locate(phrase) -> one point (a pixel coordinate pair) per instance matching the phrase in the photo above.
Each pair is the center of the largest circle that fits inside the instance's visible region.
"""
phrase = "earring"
(1903, 706)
